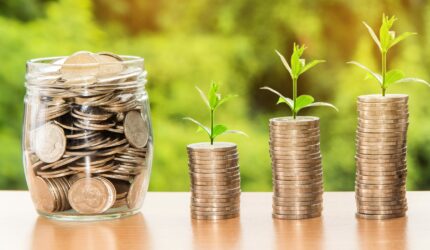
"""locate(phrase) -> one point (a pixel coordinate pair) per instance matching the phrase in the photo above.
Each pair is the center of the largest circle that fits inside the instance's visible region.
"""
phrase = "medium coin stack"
(86, 134)
(380, 184)
(296, 167)
(215, 180)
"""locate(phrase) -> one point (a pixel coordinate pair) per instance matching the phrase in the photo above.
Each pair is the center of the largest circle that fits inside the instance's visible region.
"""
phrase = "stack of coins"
(215, 180)
(380, 184)
(296, 167)
(86, 132)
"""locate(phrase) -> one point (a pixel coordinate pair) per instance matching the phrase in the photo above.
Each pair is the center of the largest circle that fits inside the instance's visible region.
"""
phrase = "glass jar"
(87, 135)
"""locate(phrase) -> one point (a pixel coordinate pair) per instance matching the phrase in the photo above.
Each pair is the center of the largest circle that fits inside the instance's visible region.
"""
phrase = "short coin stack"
(380, 185)
(86, 132)
(215, 180)
(296, 167)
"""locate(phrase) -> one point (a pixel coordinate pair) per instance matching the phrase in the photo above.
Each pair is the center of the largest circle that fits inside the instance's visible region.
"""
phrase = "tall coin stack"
(380, 185)
(215, 180)
(296, 167)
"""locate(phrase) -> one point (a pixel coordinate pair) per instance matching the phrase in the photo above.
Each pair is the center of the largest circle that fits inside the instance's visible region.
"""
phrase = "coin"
(296, 217)
(50, 142)
(135, 194)
(80, 64)
(42, 195)
(136, 129)
(92, 195)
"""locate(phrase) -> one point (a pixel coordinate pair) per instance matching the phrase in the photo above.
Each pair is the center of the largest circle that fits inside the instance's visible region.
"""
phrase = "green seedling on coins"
(213, 100)
(387, 39)
(297, 67)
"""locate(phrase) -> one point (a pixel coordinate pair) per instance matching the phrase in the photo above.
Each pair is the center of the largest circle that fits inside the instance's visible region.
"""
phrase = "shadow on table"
(126, 233)
(220, 234)
(299, 234)
(383, 234)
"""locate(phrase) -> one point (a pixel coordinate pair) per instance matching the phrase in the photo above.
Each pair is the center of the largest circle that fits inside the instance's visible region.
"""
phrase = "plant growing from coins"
(213, 101)
(387, 39)
(297, 67)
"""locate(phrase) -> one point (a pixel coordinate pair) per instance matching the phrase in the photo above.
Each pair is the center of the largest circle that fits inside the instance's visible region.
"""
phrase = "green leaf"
(377, 76)
(311, 65)
(296, 63)
(321, 104)
(373, 35)
(412, 79)
(206, 129)
(287, 101)
(393, 76)
(282, 99)
(225, 99)
(284, 61)
(213, 96)
(235, 132)
(303, 101)
(401, 37)
(205, 99)
(219, 129)
(385, 35)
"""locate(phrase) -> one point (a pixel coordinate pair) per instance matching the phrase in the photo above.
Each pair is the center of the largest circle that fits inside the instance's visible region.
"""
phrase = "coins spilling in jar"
(380, 184)
(215, 180)
(87, 134)
(296, 167)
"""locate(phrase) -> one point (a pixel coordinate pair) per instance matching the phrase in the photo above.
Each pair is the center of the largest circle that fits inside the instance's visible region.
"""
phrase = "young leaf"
(401, 38)
(206, 129)
(296, 64)
(235, 132)
(393, 76)
(373, 35)
(282, 99)
(321, 104)
(223, 100)
(303, 101)
(311, 65)
(412, 79)
(213, 97)
(377, 76)
(385, 37)
(287, 101)
(219, 129)
(205, 99)
(284, 61)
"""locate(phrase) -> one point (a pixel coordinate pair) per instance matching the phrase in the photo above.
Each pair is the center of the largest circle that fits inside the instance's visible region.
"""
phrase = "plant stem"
(384, 70)
(212, 127)
(294, 96)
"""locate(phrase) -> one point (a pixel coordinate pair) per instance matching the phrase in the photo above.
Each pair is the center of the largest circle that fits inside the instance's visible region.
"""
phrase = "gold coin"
(50, 142)
(110, 64)
(214, 217)
(297, 122)
(379, 216)
(80, 64)
(92, 195)
(296, 216)
(136, 193)
(136, 129)
(216, 147)
(42, 195)
(389, 98)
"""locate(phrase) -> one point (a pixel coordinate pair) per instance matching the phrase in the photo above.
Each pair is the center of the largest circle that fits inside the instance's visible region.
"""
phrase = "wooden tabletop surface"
(165, 223)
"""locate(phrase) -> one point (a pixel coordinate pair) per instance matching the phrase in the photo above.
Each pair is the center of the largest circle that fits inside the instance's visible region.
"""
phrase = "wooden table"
(165, 224)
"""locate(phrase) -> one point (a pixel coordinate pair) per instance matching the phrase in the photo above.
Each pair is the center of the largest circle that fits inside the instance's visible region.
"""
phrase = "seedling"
(387, 39)
(298, 67)
(213, 100)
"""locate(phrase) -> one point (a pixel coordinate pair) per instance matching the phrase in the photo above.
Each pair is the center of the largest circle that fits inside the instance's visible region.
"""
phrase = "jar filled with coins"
(87, 136)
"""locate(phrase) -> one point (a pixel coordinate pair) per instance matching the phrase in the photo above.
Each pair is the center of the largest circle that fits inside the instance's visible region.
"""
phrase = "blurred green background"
(194, 42)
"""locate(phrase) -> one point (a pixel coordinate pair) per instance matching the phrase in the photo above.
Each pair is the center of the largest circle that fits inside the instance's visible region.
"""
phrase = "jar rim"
(49, 61)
